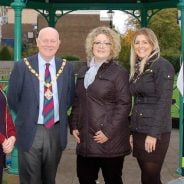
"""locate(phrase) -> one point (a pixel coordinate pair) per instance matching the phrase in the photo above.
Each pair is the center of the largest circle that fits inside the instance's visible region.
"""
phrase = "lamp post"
(35, 33)
(110, 14)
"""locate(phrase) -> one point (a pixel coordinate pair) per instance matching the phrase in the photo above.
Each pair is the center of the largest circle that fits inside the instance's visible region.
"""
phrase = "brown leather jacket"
(105, 106)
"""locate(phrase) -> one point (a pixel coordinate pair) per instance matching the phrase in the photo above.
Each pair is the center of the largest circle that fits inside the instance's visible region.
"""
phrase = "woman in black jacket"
(151, 84)
(99, 120)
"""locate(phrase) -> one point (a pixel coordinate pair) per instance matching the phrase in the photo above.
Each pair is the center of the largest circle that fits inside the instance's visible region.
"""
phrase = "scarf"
(91, 73)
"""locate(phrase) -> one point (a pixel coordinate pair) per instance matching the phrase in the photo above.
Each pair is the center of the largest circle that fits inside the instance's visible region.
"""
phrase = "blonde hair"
(152, 39)
(113, 37)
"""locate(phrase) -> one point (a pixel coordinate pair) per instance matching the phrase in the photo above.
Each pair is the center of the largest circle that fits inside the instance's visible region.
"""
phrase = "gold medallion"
(48, 94)
(48, 85)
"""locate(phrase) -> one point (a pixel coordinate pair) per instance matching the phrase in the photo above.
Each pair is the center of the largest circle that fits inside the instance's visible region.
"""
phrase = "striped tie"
(48, 106)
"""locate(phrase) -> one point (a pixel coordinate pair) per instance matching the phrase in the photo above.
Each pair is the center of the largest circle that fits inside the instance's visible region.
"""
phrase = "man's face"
(48, 43)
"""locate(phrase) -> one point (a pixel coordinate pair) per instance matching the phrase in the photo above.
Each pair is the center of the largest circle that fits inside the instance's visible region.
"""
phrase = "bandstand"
(52, 10)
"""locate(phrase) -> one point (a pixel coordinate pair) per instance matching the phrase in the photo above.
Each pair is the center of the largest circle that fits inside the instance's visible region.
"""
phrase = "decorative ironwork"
(137, 14)
(53, 15)
(110, 13)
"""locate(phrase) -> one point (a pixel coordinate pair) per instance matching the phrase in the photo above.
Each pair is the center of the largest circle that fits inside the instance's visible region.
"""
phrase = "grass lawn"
(175, 107)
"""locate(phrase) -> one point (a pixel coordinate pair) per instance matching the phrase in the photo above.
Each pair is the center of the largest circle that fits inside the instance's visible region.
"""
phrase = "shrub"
(30, 51)
(70, 57)
(6, 53)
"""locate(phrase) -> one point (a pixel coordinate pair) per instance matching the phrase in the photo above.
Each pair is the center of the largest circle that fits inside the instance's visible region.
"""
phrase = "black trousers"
(88, 168)
(39, 164)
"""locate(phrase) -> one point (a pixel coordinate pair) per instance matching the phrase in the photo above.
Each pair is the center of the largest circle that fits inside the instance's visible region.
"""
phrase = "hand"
(76, 135)
(100, 137)
(8, 144)
(131, 141)
(150, 144)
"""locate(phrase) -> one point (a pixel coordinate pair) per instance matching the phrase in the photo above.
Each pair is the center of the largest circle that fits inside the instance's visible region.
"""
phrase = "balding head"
(48, 30)
(48, 42)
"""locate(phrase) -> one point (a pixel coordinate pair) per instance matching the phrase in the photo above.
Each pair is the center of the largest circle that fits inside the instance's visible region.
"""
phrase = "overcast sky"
(119, 19)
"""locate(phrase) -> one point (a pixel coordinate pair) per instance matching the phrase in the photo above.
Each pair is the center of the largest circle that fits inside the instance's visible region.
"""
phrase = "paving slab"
(131, 173)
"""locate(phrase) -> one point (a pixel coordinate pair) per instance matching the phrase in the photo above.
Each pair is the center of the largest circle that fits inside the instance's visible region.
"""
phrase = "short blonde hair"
(152, 39)
(113, 37)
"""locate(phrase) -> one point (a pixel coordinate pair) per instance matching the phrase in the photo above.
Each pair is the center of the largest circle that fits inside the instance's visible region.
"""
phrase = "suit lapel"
(34, 64)
(60, 79)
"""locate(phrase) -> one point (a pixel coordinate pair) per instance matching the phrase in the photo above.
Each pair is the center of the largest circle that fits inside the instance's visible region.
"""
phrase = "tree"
(132, 23)
(165, 26)
(124, 56)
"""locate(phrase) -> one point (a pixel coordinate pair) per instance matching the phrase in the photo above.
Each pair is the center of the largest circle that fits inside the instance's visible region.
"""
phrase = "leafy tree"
(132, 23)
(165, 26)
(124, 56)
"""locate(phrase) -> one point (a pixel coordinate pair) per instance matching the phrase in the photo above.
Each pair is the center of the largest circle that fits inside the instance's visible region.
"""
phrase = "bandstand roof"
(95, 4)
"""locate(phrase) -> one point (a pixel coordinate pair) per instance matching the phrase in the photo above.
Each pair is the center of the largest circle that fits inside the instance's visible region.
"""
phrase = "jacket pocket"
(169, 79)
(146, 113)
(145, 117)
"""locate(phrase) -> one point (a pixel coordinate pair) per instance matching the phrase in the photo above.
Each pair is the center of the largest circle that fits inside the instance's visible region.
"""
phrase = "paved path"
(131, 174)
(67, 169)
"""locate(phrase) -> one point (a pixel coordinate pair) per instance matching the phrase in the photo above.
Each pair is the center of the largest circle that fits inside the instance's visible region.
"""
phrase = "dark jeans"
(88, 168)
(39, 164)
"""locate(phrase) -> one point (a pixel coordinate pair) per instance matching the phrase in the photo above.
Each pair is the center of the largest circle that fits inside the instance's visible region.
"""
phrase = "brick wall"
(73, 29)
(8, 30)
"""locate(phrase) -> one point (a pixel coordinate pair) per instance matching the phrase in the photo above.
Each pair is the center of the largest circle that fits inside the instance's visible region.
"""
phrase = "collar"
(42, 62)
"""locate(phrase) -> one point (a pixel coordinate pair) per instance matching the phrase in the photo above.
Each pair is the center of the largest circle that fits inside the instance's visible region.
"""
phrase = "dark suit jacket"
(23, 99)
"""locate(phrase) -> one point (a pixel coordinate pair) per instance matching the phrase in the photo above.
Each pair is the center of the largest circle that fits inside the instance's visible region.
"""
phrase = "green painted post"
(144, 16)
(17, 5)
(181, 125)
(52, 18)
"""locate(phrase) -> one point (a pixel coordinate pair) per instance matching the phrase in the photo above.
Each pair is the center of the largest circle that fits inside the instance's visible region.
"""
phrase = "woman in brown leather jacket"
(99, 120)
(151, 84)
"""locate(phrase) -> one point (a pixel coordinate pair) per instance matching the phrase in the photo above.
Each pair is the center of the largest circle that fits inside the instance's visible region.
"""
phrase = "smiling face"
(48, 43)
(101, 48)
(142, 46)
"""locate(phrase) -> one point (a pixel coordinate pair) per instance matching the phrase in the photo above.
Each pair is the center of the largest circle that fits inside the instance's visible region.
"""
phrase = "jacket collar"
(83, 70)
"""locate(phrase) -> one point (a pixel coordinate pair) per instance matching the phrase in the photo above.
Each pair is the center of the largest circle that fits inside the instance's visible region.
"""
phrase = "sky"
(119, 19)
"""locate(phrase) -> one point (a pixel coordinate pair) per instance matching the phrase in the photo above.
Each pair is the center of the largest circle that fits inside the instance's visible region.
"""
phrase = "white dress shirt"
(52, 69)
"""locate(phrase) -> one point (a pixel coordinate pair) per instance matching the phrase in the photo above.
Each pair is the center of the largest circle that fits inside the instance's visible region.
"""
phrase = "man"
(40, 92)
